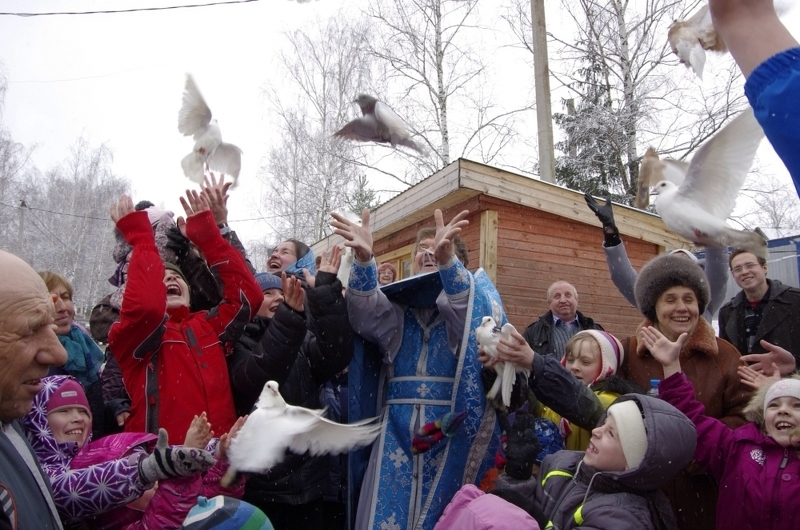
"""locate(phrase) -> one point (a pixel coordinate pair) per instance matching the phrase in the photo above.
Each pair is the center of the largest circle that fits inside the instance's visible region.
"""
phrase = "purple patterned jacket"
(94, 485)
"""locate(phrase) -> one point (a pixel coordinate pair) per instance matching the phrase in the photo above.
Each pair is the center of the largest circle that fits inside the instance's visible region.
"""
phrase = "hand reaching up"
(293, 292)
(225, 439)
(199, 433)
(329, 262)
(216, 193)
(756, 380)
(664, 350)
(194, 203)
(359, 238)
(121, 208)
(443, 245)
(775, 356)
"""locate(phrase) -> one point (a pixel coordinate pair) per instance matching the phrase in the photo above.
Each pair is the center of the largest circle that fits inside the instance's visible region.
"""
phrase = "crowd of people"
(671, 427)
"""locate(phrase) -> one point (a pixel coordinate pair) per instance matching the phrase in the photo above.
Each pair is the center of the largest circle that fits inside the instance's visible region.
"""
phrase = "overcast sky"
(118, 78)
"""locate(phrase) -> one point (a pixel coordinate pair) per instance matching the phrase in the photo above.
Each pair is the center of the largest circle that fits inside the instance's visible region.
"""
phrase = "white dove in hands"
(194, 119)
(664, 350)
(274, 426)
(489, 335)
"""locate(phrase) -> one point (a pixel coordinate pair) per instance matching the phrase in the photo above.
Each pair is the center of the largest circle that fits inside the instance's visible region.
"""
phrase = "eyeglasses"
(747, 266)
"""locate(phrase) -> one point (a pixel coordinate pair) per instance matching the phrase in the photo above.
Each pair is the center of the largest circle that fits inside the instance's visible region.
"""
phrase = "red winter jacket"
(174, 364)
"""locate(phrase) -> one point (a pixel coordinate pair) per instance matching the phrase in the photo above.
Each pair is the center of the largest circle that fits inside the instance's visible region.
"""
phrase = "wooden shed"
(526, 234)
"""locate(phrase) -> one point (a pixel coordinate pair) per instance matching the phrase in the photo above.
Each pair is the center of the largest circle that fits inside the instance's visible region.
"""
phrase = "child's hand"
(664, 350)
(516, 351)
(225, 439)
(755, 379)
(199, 433)
(293, 293)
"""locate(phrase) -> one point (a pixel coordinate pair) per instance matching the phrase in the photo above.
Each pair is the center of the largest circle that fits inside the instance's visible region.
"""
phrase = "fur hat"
(664, 272)
(223, 513)
(679, 251)
(631, 431)
(69, 394)
(268, 281)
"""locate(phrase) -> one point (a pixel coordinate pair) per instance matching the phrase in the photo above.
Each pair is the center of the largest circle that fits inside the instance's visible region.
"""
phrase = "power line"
(108, 220)
(165, 8)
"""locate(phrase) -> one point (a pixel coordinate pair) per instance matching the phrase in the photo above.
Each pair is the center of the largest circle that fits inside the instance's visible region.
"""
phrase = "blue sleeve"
(773, 90)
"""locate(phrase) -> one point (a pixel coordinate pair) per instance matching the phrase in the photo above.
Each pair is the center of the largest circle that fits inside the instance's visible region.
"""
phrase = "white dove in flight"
(380, 124)
(275, 426)
(699, 207)
(488, 335)
(194, 119)
(653, 170)
(690, 38)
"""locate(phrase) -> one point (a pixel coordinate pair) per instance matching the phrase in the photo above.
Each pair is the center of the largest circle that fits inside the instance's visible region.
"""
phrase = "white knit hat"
(631, 431)
(782, 388)
(685, 253)
(612, 353)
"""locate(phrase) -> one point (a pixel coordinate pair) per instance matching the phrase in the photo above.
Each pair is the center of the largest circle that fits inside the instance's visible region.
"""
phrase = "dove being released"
(489, 335)
(380, 124)
(274, 426)
(653, 170)
(699, 207)
(194, 119)
(690, 38)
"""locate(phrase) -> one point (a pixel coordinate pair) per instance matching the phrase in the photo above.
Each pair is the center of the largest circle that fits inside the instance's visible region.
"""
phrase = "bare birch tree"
(434, 74)
(627, 91)
(309, 173)
(61, 223)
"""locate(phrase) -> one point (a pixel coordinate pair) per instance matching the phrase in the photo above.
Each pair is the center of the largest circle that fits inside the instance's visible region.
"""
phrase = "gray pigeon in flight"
(194, 119)
(379, 123)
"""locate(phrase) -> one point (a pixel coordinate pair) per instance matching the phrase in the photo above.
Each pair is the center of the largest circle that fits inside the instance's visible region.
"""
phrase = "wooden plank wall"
(535, 249)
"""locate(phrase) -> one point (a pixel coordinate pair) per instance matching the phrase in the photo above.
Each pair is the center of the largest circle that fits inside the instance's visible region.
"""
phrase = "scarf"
(83, 356)
(307, 262)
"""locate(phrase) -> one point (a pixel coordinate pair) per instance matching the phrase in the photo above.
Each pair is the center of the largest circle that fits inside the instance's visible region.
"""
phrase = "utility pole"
(541, 76)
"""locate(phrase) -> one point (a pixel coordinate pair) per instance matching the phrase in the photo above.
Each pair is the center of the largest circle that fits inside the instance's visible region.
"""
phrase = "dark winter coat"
(780, 323)
(300, 360)
(574, 495)
(538, 334)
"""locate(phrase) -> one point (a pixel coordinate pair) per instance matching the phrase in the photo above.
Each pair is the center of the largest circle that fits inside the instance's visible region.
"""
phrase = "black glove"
(522, 446)
(178, 243)
(605, 214)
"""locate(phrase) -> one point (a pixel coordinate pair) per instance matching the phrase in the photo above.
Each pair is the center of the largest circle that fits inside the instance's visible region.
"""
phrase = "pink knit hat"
(69, 394)
(611, 352)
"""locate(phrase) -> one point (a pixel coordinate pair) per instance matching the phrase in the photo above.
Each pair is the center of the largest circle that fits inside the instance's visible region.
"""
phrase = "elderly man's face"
(28, 341)
(563, 301)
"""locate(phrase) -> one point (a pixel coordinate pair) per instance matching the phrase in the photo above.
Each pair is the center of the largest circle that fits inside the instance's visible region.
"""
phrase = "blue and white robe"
(425, 366)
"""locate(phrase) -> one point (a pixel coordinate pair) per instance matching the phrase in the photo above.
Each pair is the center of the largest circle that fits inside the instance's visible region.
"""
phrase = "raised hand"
(121, 208)
(604, 212)
(329, 262)
(442, 242)
(755, 379)
(225, 439)
(194, 203)
(516, 351)
(216, 193)
(359, 238)
(664, 350)
(292, 292)
(776, 356)
(199, 433)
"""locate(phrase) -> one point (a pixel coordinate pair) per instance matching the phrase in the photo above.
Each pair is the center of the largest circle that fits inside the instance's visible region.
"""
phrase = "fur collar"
(702, 340)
